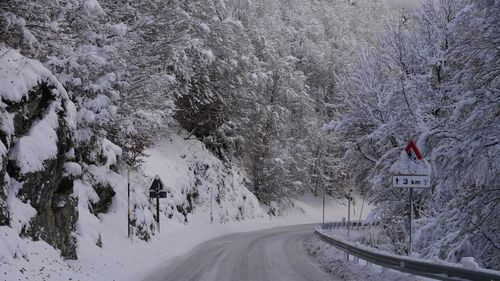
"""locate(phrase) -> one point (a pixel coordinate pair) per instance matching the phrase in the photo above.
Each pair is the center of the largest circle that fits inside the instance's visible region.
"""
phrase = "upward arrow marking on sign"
(412, 151)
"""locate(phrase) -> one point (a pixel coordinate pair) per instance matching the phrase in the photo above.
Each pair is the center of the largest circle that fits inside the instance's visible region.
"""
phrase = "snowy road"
(272, 254)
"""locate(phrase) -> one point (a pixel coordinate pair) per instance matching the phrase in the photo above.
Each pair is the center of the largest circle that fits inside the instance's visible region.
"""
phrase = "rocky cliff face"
(36, 134)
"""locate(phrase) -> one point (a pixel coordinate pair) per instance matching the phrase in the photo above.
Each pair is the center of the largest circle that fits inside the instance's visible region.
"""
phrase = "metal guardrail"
(404, 264)
(352, 225)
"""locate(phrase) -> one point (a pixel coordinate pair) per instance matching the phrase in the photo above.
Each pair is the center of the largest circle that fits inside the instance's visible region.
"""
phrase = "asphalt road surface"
(276, 254)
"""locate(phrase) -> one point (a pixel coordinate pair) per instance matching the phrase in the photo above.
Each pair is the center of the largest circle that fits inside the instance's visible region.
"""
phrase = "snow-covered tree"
(420, 82)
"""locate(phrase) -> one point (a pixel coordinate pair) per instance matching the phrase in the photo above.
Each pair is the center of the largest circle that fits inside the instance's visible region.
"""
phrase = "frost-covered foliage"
(433, 78)
(258, 87)
(247, 78)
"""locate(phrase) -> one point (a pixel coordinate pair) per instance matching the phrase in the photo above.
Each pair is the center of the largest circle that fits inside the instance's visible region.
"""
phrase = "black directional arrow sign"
(159, 194)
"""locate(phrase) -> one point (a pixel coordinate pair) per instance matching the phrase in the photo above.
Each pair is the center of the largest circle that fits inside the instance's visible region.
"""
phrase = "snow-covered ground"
(121, 258)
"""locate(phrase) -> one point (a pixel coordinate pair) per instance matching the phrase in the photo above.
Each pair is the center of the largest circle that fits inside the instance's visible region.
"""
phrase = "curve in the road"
(276, 254)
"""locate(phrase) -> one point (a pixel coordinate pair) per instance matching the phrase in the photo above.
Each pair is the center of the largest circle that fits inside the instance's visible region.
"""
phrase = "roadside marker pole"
(128, 203)
(348, 218)
(324, 191)
(349, 212)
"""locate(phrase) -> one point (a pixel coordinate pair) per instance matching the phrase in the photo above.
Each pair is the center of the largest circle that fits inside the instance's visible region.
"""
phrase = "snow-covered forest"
(278, 97)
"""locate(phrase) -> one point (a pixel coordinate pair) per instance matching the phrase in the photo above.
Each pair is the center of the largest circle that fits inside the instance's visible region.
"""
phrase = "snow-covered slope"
(195, 180)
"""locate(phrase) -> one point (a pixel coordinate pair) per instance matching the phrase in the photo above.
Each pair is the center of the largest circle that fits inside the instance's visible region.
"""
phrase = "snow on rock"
(19, 75)
(407, 166)
(72, 169)
(7, 125)
(3, 151)
(21, 213)
(39, 145)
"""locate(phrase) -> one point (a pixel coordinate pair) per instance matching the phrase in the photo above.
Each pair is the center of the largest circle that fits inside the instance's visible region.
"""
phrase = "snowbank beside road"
(124, 259)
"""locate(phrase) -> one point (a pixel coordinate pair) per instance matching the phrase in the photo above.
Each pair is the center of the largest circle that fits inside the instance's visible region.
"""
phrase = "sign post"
(410, 246)
(211, 206)
(411, 171)
(349, 198)
(156, 191)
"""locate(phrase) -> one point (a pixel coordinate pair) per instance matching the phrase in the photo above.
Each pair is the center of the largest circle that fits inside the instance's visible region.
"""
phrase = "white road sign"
(411, 181)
